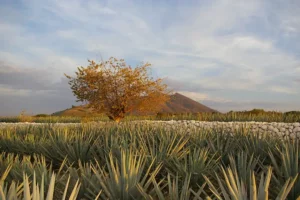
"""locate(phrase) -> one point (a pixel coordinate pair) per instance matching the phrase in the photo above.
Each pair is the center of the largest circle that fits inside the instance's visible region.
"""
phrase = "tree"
(114, 88)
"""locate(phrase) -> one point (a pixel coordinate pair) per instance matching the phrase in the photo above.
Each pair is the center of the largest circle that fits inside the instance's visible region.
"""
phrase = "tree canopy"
(115, 88)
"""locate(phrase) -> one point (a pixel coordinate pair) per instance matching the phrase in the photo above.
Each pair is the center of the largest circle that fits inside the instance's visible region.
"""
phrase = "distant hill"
(178, 104)
(182, 104)
(78, 111)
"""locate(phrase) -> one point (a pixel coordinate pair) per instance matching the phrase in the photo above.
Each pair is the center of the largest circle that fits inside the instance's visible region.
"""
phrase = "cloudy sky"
(226, 54)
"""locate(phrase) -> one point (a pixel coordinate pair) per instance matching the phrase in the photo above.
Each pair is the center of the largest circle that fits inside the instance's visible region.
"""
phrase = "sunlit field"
(150, 100)
(139, 161)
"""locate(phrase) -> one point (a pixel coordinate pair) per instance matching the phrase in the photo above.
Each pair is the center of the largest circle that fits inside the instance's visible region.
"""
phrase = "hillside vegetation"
(242, 116)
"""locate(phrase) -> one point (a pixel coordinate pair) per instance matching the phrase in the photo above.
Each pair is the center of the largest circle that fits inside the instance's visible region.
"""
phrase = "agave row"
(135, 161)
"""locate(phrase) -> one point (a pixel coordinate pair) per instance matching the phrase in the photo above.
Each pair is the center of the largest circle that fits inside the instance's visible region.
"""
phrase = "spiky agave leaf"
(15, 190)
(89, 182)
(197, 162)
(174, 189)
(125, 179)
(233, 187)
(163, 145)
(244, 163)
(34, 190)
(258, 144)
(74, 145)
(30, 165)
(286, 161)
(222, 144)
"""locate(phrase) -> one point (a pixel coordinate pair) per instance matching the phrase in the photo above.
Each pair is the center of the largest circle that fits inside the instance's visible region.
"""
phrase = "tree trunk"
(117, 118)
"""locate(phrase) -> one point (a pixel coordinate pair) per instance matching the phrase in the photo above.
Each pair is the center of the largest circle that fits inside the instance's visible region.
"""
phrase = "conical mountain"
(182, 104)
(178, 104)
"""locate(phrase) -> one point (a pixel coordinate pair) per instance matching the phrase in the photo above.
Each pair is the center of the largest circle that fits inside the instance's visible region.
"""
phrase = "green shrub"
(41, 115)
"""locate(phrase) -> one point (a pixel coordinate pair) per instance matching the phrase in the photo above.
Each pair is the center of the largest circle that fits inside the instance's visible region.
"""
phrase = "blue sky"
(226, 54)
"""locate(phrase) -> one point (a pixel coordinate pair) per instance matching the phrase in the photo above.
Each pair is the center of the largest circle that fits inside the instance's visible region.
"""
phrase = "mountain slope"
(182, 104)
(178, 104)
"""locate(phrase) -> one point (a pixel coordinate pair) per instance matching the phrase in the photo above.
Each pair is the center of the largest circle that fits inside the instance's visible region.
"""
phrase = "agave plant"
(174, 190)
(126, 179)
(162, 146)
(71, 145)
(258, 144)
(25, 164)
(233, 187)
(222, 144)
(196, 163)
(140, 161)
(243, 163)
(286, 165)
(90, 187)
(34, 191)
(14, 142)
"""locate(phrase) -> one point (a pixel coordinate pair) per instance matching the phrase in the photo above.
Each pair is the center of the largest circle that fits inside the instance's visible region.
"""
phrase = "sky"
(226, 54)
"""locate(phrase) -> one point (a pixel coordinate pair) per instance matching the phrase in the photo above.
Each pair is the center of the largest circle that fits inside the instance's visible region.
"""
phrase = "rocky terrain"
(285, 130)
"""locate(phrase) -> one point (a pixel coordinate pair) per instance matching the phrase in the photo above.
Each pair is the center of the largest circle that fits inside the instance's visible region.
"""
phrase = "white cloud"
(198, 96)
(14, 92)
(195, 95)
(249, 105)
(7, 91)
(289, 18)
(282, 89)
(208, 44)
(246, 43)
(247, 59)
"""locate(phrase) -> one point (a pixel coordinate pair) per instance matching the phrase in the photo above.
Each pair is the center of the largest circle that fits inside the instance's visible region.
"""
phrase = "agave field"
(139, 161)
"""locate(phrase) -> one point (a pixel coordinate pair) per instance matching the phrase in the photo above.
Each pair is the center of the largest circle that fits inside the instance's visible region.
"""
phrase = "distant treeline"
(252, 115)
(258, 115)
(261, 111)
(246, 112)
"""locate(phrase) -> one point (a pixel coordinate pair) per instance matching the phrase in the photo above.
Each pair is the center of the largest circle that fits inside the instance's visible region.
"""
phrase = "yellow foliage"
(114, 88)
